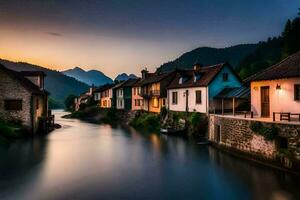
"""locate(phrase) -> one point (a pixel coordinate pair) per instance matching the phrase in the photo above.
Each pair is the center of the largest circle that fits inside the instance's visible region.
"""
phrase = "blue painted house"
(199, 89)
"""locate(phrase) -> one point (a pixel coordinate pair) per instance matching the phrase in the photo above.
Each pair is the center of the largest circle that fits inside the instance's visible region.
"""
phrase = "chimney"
(144, 73)
(197, 66)
(91, 89)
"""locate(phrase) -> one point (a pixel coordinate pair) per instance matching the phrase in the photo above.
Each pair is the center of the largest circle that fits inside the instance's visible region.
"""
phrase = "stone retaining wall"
(233, 133)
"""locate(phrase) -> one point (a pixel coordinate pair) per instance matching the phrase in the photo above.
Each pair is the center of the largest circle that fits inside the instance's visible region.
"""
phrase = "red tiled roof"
(287, 68)
(24, 81)
(206, 75)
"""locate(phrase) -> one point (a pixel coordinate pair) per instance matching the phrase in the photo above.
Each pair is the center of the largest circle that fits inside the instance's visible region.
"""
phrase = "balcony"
(148, 94)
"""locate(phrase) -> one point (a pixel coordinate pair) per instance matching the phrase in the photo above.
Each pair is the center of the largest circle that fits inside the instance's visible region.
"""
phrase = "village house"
(83, 98)
(154, 90)
(123, 94)
(106, 96)
(23, 99)
(137, 99)
(275, 92)
(197, 90)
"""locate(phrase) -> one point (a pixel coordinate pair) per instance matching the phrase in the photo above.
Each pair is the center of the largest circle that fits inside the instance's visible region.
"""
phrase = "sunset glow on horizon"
(116, 37)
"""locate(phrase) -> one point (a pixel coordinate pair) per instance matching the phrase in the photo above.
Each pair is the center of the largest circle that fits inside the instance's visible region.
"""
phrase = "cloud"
(54, 34)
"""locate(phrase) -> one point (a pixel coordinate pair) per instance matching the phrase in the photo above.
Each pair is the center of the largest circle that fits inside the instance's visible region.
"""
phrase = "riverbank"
(105, 162)
(193, 124)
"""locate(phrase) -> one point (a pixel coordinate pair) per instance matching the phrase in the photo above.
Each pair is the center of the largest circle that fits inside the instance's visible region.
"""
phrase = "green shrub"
(198, 124)
(147, 121)
(269, 133)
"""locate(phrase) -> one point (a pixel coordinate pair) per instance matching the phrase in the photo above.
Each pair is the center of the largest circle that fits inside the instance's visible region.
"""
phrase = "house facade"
(154, 90)
(194, 90)
(137, 99)
(106, 96)
(123, 94)
(277, 89)
(23, 99)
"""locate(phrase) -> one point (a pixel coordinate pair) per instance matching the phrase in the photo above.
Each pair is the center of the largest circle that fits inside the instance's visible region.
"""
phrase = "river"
(89, 161)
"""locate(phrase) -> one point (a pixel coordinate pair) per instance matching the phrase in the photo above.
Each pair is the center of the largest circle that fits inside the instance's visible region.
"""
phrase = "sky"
(116, 36)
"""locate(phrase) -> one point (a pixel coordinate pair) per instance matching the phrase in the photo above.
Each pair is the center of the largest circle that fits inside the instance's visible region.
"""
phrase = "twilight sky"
(126, 35)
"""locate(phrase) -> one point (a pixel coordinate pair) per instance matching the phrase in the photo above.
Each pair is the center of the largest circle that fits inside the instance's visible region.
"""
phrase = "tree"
(69, 102)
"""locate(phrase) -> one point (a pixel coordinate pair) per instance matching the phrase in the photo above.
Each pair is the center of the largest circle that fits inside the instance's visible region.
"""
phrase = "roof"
(154, 78)
(23, 81)
(130, 82)
(205, 74)
(103, 88)
(33, 73)
(236, 92)
(287, 68)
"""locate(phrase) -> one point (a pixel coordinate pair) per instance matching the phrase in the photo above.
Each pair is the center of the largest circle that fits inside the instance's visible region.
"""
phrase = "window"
(13, 104)
(155, 103)
(164, 102)
(174, 97)
(198, 97)
(225, 77)
(297, 92)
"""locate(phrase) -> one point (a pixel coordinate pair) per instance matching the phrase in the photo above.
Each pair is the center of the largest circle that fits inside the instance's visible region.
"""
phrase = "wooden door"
(265, 101)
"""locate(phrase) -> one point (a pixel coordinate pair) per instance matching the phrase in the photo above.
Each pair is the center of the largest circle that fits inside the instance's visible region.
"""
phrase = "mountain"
(210, 56)
(125, 77)
(273, 50)
(92, 77)
(59, 85)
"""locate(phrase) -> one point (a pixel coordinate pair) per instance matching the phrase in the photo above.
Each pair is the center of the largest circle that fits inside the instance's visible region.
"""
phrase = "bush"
(198, 124)
(269, 133)
(147, 121)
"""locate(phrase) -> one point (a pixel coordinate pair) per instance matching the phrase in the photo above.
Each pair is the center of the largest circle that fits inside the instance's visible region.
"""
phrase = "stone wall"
(235, 133)
(12, 89)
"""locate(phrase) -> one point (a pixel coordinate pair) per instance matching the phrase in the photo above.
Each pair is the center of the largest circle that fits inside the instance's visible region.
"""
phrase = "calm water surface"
(87, 161)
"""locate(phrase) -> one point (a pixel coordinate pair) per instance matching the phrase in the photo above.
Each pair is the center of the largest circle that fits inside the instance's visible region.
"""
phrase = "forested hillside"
(59, 85)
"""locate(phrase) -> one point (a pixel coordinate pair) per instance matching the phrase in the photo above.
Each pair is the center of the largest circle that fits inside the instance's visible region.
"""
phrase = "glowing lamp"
(278, 87)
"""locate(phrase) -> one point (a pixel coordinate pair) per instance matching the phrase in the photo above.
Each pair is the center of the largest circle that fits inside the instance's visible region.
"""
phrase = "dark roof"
(287, 68)
(24, 81)
(130, 82)
(154, 78)
(103, 87)
(236, 92)
(33, 73)
(205, 74)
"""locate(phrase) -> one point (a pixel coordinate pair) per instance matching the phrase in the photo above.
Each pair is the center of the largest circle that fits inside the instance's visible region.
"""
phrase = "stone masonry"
(11, 89)
(235, 133)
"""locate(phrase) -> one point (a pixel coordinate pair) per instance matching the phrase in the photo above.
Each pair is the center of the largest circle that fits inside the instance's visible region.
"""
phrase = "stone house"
(277, 89)
(196, 90)
(23, 98)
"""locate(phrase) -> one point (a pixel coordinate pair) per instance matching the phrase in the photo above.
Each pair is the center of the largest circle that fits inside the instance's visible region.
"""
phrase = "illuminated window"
(155, 103)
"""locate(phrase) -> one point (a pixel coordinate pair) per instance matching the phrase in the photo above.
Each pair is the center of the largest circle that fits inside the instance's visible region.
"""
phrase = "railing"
(155, 92)
(148, 94)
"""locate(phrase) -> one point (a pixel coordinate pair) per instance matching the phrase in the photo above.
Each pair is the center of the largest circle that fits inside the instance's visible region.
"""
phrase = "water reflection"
(87, 161)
